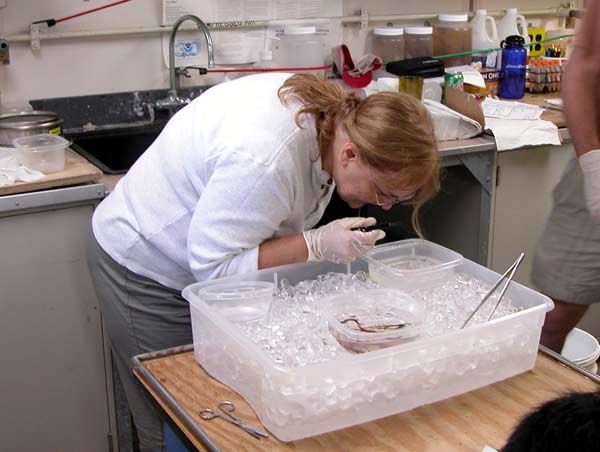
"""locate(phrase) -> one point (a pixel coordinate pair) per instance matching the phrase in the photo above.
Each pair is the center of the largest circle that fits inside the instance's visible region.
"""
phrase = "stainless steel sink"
(114, 151)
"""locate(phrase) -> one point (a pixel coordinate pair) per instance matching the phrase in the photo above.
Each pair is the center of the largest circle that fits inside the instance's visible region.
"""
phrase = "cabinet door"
(526, 179)
(53, 380)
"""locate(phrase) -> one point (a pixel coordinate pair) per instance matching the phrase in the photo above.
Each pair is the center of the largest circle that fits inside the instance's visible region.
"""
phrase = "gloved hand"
(335, 241)
(590, 166)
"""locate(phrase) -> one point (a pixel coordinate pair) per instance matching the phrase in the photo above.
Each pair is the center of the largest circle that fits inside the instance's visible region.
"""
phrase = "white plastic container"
(411, 264)
(294, 403)
(418, 42)
(44, 152)
(238, 302)
(301, 47)
(512, 23)
(388, 43)
(484, 35)
(582, 348)
(373, 319)
(452, 34)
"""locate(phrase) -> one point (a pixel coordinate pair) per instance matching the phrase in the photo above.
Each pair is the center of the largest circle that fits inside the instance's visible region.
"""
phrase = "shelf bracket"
(35, 37)
(364, 19)
(480, 166)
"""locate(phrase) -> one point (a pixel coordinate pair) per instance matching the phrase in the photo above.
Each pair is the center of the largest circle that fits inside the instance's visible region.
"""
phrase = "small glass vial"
(388, 43)
(418, 42)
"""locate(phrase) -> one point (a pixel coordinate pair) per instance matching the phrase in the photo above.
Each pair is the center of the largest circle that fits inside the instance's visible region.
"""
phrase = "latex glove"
(335, 241)
(590, 166)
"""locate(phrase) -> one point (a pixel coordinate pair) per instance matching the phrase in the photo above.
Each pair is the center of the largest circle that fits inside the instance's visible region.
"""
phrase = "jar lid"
(300, 30)
(453, 17)
(28, 120)
(40, 141)
(419, 30)
(388, 31)
(481, 11)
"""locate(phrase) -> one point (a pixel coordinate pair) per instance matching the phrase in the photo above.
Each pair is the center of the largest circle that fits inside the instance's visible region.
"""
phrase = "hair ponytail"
(324, 100)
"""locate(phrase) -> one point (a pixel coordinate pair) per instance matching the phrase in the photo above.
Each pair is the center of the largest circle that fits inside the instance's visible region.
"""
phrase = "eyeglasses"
(382, 199)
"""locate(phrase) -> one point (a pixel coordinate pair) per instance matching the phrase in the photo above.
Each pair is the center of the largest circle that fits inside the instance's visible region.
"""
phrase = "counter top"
(77, 171)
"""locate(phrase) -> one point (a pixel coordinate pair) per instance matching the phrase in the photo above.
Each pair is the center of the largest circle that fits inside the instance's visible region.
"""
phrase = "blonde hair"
(393, 131)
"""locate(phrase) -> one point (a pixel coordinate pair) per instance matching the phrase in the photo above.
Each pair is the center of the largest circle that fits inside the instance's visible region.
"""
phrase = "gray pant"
(141, 316)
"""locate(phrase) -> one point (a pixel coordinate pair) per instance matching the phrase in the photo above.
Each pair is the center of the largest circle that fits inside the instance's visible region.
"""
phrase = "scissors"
(226, 413)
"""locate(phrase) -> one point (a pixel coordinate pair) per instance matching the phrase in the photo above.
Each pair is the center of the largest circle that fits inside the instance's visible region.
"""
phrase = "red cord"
(273, 69)
(91, 11)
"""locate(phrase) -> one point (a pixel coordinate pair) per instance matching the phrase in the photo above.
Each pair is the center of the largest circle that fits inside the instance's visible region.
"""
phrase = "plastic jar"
(44, 152)
(452, 34)
(301, 47)
(388, 43)
(418, 42)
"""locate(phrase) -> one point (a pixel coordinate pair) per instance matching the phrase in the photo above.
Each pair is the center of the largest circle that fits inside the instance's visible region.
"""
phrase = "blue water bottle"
(514, 57)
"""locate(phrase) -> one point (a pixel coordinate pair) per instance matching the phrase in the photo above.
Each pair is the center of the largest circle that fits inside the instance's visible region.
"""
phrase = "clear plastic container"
(388, 43)
(301, 47)
(373, 319)
(452, 34)
(44, 152)
(418, 42)
(411, 264)
(240, 302)
(298, 402)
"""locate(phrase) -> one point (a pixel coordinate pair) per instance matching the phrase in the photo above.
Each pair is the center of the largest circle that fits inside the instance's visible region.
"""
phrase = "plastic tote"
(294, 403)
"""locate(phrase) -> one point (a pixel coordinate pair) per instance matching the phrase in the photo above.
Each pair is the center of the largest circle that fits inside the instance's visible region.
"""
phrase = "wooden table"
(467, 422)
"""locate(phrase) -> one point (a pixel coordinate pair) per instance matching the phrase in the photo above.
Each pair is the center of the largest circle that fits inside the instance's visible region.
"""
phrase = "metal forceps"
(510, 273)
(225, 412)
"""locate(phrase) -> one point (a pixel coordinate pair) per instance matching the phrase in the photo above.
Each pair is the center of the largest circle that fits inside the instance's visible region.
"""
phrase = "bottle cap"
(453, 17)
(419, 30)
(388, 31)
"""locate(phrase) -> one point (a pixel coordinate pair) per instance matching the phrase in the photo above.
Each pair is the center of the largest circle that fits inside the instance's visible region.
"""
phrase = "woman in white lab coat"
(235, 183)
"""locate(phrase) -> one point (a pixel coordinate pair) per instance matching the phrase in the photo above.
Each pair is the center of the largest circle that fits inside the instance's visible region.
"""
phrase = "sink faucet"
(173, 102)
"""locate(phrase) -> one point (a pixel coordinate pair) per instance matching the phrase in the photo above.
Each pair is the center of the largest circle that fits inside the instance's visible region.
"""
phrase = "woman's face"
(358, 184)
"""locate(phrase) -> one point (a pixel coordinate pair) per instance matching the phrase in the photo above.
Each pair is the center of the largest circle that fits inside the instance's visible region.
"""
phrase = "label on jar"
(55, 131)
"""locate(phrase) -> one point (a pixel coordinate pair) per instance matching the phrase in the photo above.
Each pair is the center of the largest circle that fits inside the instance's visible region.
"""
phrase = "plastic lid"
(239, 290)
(511, 11)
(418, 30)
(481, 11)
(300, 30)
(388, 31)
(32, 142)
(453, 17)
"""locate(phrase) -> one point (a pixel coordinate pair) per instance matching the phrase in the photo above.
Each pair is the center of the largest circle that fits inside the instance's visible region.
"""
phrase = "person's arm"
(581, 87)
(277, 251)
(581, 97)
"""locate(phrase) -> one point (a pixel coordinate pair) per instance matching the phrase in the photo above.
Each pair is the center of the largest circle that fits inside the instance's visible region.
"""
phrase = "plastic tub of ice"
(297, 402)
(411, 264)
(373, 319)
(237, 302)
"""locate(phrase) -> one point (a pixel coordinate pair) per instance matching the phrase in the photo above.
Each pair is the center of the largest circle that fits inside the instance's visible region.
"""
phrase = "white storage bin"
(44, 152)
(294, 403)
(240, 301)
(411, 264)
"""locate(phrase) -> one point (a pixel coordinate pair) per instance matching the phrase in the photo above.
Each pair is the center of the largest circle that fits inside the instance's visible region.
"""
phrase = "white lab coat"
(228, 171)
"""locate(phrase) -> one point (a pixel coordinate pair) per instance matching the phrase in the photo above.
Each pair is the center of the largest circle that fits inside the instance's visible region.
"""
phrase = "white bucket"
(582, 348)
